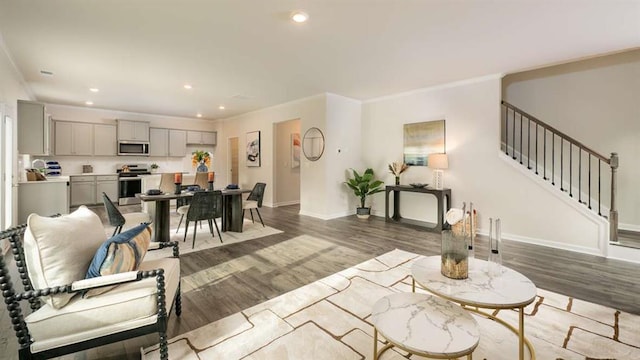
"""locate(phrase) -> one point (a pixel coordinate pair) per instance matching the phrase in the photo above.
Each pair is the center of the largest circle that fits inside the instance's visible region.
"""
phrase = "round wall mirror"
(313, 144)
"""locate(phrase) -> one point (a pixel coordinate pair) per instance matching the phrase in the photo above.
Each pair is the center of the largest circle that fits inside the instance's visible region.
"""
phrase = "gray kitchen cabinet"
(129, 130)
(167, 142)
(105, 140)
(72, 138)
(201, 137)
(83, 190)
(33, 128)
(158, 142)
(107, 184)
(177, 143)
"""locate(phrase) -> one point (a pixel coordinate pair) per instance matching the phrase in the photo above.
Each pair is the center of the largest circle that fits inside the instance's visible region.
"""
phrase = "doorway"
(6, 164)
(233, 160)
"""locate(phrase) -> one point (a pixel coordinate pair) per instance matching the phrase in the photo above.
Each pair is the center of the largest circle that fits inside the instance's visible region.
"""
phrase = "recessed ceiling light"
(199, 115)
(89, 102)
(46, 73)
(94, 89)
(299, 16)
(188, 86)
(221, 107)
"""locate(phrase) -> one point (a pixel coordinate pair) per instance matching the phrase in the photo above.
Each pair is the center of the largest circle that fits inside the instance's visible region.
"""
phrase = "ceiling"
(247, 54)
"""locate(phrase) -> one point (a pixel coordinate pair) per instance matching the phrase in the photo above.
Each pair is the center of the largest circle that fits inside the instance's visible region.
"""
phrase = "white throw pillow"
(59, 250)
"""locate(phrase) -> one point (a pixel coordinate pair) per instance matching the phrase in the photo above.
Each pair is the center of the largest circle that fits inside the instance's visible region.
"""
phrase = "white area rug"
(330, 319)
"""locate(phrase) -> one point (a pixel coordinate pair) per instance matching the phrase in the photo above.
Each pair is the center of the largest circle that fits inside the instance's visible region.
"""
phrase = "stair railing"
(526, 139)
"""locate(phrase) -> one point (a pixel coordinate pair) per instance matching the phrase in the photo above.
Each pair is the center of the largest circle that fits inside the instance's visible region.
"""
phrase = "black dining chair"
(254, 201)
(205, 205)
(118, 219)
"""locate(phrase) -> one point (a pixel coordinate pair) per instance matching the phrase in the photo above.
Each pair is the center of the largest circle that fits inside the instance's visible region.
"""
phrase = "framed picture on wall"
(253, 149)
(295, 150)
(422, 139)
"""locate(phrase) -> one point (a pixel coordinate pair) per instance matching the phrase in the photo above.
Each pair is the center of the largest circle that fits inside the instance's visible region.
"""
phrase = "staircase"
(563, 162)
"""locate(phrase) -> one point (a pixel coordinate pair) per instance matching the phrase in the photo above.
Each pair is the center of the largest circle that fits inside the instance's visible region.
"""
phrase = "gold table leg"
(521, 333)
(375, 343)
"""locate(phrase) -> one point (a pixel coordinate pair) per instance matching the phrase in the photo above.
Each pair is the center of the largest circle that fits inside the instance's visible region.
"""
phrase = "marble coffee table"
(509, 290)
(424, 325)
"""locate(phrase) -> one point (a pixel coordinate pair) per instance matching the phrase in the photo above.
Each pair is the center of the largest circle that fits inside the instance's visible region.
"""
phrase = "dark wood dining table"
(231, 211)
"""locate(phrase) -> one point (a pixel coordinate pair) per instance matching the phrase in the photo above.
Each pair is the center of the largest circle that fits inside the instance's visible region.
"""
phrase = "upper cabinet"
(129, 130)
(73, 138)
(105, 140)
(167, 142)
(201, 137)
(33, 128)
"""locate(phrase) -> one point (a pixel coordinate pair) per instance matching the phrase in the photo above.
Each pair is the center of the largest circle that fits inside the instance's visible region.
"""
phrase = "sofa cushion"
(121, 253)
(127, 306)
(58, 251)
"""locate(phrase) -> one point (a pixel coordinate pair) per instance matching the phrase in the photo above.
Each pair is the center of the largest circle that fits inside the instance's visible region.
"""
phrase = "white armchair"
(139, 303)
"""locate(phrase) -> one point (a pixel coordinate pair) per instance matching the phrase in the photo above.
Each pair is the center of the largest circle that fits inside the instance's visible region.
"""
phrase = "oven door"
(128, 187)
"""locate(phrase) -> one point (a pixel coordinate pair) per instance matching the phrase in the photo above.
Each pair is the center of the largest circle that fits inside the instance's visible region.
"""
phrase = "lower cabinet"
(88, 189)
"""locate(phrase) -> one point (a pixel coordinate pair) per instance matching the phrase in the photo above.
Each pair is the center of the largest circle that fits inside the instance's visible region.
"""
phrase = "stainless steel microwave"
(133, 148)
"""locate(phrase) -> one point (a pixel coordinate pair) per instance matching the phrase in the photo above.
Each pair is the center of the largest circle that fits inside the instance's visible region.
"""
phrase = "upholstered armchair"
(58, 311)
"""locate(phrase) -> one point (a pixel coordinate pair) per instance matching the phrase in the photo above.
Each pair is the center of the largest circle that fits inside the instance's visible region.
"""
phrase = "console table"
(441, 196)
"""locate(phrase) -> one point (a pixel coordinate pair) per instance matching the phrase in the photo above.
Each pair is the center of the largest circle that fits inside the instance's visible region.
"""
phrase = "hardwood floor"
(221, 281)
(310, 249)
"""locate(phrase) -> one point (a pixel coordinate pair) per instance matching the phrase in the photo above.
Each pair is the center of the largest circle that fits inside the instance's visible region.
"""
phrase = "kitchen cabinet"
(105, 140)
(33, 128)
(201, 137)
(107, 184)
(83, 190)
(73, 138)
(44, 198)
(167, 142)
(129, 130)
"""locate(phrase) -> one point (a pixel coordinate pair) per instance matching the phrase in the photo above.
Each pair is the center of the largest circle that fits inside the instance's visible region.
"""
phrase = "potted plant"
(363, 185)
(154, 168)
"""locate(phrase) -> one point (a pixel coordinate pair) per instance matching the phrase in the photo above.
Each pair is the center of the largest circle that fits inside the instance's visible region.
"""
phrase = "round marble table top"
(426, 325)
(508, 290)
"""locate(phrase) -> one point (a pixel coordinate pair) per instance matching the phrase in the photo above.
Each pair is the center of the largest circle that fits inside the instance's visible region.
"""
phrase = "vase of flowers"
(201, 160)
(396, 169)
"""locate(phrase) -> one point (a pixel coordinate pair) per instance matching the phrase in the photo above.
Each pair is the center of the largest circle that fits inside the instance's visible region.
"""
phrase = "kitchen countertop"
(50, 179)
(94, 174)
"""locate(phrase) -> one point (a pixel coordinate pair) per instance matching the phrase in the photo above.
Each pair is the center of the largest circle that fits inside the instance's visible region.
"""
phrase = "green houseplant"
(362, 186)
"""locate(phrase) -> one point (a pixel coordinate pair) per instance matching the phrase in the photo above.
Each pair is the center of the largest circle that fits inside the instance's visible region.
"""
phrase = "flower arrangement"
(397, 168)
(201, 156)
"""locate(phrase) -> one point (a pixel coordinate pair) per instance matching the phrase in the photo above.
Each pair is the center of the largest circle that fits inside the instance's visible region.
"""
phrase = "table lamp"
(438, 162)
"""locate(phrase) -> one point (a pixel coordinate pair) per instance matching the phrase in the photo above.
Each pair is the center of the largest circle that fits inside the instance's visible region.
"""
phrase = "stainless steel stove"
(129, 182)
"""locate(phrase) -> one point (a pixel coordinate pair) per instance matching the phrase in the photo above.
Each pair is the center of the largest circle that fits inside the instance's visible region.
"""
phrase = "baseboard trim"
(326, 216)
(629, 227)
(286, 203)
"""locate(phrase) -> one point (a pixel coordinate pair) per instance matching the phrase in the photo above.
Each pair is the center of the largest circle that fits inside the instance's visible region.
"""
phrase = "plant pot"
(363, 213)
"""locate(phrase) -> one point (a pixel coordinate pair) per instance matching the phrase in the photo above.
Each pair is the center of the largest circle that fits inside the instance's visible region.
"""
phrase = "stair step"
(627, 238)
(630, 245)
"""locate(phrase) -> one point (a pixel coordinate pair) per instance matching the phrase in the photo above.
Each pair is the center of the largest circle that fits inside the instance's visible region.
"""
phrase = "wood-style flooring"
(238, 276)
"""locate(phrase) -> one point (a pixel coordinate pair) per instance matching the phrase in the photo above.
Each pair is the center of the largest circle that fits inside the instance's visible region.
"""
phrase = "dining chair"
(254, 201)
(166, 183)
(205, 205)
(119, 220)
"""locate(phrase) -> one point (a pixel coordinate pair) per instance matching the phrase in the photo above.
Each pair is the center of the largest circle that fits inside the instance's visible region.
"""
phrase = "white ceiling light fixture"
(221, 107)
(199, 115)
(188, 86)
(89, 102)
(95, 90)
(299, 16)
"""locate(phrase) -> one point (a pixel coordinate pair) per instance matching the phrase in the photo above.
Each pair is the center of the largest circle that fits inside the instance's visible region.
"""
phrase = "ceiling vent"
(46, 73)
(242, 97)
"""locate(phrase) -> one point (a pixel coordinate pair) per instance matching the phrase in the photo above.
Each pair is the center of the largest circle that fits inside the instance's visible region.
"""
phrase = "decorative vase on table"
(397, 180)
(202, 167)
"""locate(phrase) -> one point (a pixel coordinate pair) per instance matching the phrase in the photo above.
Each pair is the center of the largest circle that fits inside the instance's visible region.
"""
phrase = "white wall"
(107, 164)
(477, 172)
(597, 102)
(286, 178)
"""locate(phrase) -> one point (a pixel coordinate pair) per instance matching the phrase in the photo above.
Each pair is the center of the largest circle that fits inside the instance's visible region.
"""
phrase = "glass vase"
(495, 255)
(454, 255)
(397, 180)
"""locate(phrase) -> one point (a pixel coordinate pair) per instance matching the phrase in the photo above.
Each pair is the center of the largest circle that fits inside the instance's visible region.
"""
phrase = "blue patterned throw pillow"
(121, 253)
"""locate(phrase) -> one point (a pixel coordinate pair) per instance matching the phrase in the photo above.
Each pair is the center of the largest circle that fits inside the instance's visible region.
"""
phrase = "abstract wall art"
(253, 149)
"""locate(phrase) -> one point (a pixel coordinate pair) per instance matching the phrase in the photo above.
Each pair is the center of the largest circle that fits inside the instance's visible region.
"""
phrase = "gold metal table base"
(522, 340)
(389, 345)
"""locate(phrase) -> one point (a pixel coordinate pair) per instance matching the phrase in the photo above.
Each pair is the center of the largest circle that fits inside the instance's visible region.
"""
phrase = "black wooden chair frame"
(12, 300)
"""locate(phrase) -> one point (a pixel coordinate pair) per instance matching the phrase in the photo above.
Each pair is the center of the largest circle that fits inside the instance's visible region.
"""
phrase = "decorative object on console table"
(201, 160)
(396, 169)
(177, 180)
(253, 149)
(438, 162)
(363, 185)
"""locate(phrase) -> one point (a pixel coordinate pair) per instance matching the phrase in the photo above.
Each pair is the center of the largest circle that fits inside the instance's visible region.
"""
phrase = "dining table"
(232, 218)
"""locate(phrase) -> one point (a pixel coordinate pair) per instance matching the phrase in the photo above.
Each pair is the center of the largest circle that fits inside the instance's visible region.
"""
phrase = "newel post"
(613, 212)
